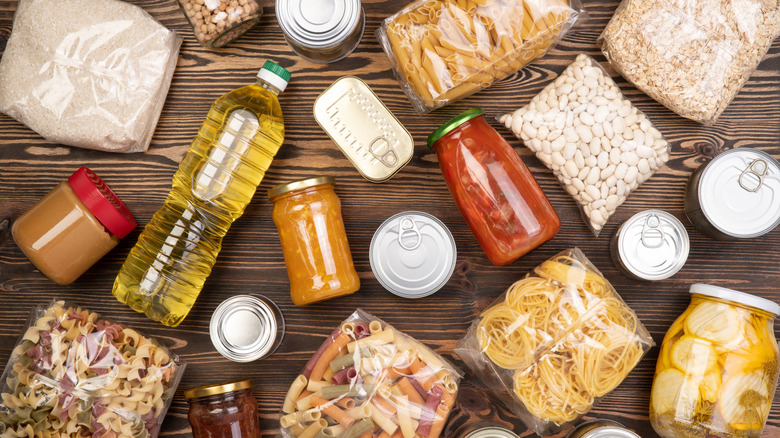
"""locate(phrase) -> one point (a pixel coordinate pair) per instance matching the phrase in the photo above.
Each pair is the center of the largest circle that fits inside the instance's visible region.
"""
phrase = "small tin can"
(246, 328)
(488, 430)
(735, 196)
(651, 245)
(370, 136)
(321, 30)
(412, 254)
(601, 429)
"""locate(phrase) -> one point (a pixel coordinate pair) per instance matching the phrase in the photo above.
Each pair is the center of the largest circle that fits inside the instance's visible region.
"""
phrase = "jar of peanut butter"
(72, 227)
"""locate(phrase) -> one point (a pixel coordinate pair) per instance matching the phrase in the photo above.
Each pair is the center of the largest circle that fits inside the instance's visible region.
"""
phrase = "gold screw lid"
(217, 388)
(299, 185)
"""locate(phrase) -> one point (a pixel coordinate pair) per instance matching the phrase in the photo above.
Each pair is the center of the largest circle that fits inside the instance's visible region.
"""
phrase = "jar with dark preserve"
(223, 410)
(307, 214)
(494, 190)
(72, 227)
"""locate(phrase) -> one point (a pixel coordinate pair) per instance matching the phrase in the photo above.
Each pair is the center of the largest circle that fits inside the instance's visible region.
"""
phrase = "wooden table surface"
(251, 260)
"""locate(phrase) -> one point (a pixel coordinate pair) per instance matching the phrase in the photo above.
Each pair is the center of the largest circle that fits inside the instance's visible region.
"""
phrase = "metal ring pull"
(406, 225)
(651, 230)
(753, 170)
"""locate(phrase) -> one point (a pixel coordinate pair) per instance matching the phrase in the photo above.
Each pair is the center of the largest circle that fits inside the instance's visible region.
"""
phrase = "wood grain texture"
(251, 260)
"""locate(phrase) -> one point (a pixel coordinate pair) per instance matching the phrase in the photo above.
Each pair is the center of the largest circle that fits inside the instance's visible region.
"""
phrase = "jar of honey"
(307, 214)
(717, 369)
(72, 227)
(498, 197)
(223, 410)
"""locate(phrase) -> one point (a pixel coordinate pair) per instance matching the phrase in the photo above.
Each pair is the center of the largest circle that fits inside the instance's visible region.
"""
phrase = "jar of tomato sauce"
(223, 410)
(494, 190)
(307, 214)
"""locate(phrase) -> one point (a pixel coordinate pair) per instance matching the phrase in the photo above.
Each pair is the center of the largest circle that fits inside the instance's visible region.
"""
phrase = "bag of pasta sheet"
(369, 377)
(555, 342)
(76, 374)
(445, 50)
(88, 73)
(693, 56)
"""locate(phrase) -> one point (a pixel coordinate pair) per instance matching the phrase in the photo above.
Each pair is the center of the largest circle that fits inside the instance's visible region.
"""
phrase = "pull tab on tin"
(652, 234)
(757, 168)
(407, 225)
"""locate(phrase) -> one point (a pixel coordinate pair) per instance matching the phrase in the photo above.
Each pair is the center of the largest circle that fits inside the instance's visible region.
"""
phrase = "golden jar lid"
(217, 388)
(299, 185)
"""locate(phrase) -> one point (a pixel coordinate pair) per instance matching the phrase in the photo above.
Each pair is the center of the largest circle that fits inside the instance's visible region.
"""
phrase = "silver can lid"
(739, 192)
(246, 328)
(601, 429)
(412, 254)
(490, 432)
(653, 245)
(318, 23)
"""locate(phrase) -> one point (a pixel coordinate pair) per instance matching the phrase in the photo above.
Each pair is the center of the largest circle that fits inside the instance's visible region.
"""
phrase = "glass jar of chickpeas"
(218, 22)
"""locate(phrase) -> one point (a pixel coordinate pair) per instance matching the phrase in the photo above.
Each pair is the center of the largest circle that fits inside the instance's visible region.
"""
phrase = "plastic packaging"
(87, 73)
(369, 377)
(717, 369)
(165, 271)
(77, 374)
(693, 56)
(218, 22)
(443, 50)
(599, 145)
(555, 342)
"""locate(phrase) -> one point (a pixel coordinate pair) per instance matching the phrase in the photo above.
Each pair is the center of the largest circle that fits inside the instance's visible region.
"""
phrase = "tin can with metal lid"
(651, 245)
(488, 430)
(736, 195)
(246, 328)
(601, 429)
(412, 254)
(321, 30)
(370, 136)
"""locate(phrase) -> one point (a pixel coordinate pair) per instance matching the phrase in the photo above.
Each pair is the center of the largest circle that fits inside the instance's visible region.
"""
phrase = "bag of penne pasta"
(74, 373)
(555, 342)
(368, 377)
(445, 50)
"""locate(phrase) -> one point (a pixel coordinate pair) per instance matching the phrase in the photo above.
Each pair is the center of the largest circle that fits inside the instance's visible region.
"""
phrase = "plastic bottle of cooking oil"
(165, 271)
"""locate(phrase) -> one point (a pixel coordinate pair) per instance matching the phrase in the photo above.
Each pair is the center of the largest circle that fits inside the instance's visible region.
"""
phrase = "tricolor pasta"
(74, 374)
(369, 380)
(445, 50)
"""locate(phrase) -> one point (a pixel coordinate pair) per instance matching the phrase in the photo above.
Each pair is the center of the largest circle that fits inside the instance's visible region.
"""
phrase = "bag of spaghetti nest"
(445, 50)
(555, 342)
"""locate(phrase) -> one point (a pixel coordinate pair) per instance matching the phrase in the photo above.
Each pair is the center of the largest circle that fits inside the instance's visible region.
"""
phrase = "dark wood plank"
(251, 260)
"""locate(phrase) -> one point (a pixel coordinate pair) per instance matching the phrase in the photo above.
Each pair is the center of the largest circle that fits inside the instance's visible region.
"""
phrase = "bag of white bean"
(599, 145)
(88, 73)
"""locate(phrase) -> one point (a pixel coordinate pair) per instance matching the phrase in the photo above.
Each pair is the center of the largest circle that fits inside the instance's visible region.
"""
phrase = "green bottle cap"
(278, 70)
(452, 124)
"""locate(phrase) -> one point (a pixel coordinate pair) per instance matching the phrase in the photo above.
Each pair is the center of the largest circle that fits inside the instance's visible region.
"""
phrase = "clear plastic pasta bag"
(76, 374)
(369, 377)
(555, 342)
(693, 56)
(445, 50)
(598, 144)
(87, 73)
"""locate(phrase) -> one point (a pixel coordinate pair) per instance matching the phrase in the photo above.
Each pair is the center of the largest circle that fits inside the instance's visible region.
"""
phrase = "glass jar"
(223, 410)
(717, 369)
(494, 190)
(218, 22)
(72, 227)
(307, 214)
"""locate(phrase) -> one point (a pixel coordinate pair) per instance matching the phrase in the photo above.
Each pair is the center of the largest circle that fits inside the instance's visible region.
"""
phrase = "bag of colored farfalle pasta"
(555, 342)
(445, 50)
(76, 374)
(368, 377)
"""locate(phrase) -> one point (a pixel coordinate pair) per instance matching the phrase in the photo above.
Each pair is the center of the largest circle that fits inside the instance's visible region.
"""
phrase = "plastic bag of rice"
(87, 73)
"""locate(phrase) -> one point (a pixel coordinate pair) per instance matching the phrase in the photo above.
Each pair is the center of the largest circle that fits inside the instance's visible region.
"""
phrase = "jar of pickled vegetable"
(307, 214)
(494, 190)
(223, 410)
(717, 369)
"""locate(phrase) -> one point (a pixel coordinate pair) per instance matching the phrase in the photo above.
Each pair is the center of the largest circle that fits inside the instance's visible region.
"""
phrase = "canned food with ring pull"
(412, 254)
(736, 195)
(651, 245)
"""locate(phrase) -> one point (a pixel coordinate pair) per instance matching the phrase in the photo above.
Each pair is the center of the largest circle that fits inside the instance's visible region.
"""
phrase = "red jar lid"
(102, 202)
